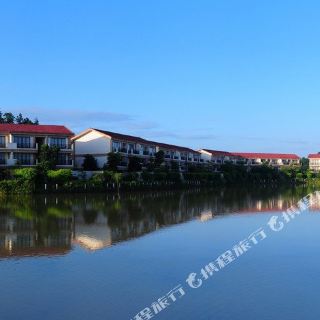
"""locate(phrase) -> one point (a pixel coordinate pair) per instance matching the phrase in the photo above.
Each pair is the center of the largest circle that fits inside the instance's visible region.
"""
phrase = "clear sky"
(232, 75)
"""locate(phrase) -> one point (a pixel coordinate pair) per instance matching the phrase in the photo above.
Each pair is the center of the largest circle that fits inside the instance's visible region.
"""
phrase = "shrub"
(26, 174)
(60, 176)
(89, 163)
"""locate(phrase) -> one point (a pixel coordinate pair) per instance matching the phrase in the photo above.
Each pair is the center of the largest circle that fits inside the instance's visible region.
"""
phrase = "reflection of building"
(206, 216)
(92, 236)
(20, 237)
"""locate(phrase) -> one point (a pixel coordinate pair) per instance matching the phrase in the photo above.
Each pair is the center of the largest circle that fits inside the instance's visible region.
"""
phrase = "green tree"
(8, 117)
(114, 160)
(134, 164)
(174, 166)
(159, 158)
(48, 157)
(89, 163)
(19, 118)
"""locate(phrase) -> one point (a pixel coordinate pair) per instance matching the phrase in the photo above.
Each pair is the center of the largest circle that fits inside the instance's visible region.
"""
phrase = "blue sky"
(231, 75)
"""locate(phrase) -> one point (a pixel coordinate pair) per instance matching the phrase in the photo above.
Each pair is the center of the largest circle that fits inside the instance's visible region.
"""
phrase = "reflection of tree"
(90, 216)
(51, 218)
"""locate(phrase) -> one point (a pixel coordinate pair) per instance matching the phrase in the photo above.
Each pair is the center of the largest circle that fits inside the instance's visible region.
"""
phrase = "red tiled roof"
(125, 137)
(254, 155)
(217, 153)
(174, 147)
(314, 156)
(257, 155)
(38, 129)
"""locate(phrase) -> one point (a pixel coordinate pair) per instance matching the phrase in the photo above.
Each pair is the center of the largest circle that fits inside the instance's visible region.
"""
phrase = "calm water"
(97, 257)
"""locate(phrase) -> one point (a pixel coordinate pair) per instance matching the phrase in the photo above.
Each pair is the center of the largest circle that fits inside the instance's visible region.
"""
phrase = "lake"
(102, 257)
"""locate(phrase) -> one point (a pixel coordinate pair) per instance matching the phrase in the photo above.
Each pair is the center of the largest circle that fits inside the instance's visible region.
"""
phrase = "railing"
(26, 145)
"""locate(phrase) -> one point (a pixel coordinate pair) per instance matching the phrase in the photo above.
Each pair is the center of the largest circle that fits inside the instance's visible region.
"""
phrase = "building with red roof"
(20, 143)
(314, 162)
(250, 158)
(99, 143)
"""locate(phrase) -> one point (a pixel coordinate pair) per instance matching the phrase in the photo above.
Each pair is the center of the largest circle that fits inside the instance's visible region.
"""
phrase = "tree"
(114, 160)
(48, 157)
(174, 166)
(134, 164)
(19, 118)
(8, 117)
(89, 163)
(304, 164)
(159, 158)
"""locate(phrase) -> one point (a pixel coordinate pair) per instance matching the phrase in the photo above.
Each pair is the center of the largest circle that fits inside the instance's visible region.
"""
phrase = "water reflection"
(42, 225)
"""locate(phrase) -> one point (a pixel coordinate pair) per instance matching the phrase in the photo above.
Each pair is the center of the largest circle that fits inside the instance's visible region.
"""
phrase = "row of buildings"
(20, 145)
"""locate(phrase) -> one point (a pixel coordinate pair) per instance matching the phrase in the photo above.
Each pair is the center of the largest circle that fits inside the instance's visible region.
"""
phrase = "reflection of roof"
(92, 243)
(33, 252)
(93, 236)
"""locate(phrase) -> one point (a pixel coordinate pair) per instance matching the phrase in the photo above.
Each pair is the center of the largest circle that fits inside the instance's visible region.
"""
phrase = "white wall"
(94, 143)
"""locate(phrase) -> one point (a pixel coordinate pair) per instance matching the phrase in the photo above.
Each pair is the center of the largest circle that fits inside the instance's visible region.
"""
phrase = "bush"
(15, 186)
(60, 176)
(26, 174)
(89, 163)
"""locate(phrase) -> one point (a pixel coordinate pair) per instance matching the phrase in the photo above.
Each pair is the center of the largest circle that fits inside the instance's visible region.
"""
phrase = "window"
(2, 141)
(2, 158)
(22, 141)
(23, 158)
(64, 159)
(58, 142)
(115, 146)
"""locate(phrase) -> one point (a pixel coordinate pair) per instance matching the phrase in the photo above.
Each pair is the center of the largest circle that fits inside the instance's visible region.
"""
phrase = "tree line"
(9, 117)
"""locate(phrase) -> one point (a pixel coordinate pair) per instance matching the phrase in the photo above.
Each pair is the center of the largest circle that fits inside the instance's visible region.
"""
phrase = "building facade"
(250, 159)
(314, 162)
(99, 143)
(20, 144)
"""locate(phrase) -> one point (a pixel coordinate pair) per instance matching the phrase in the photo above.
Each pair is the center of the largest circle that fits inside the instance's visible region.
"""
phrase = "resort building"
(250, 159)
(99, 143)
(314, 162)
(20, 144)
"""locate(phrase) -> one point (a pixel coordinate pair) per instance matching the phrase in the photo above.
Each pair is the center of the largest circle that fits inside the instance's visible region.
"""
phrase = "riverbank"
(35, 180)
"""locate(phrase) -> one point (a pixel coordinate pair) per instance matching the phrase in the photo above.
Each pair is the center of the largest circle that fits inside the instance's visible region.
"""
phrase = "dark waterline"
(99, 257)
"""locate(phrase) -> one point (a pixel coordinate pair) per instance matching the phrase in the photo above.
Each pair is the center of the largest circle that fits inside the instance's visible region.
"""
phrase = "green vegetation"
(9, 117)
(157, 174)
(89, 163)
